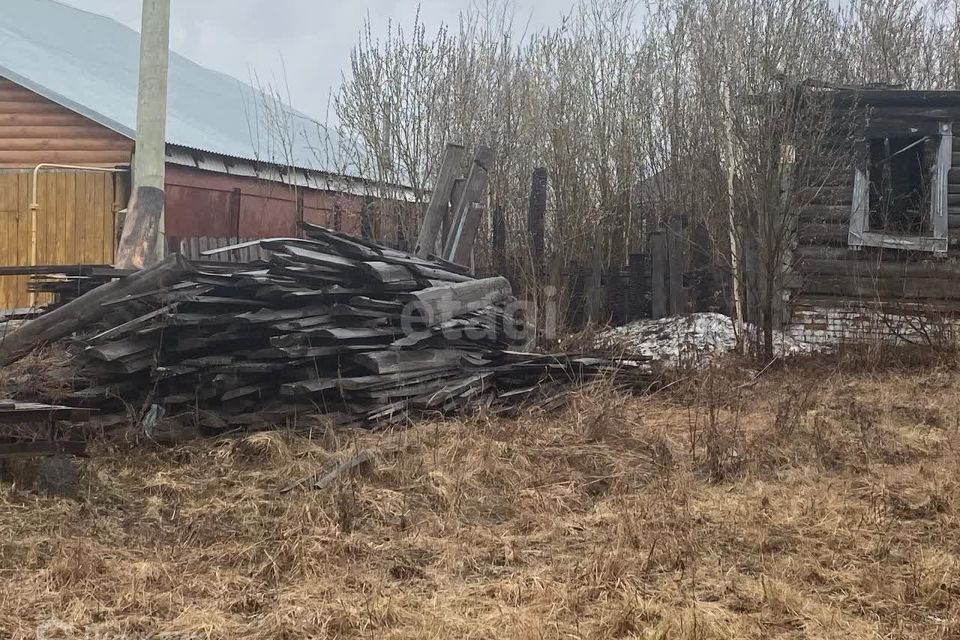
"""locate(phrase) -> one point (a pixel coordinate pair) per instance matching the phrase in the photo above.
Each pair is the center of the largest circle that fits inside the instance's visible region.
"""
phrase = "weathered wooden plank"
(675, 256)
(437, 304)
(379, 382)
(393, 362)
(17, 159)
(940, 200)
(860, 212)
(266, 315)
(434, 273)
(121, 349)
(121, 329)
(920, 308)
(891, 127)
(439, 200)
(354, 462)
(885, 288)
(392, 276)
(659, 267)
(468, 210)
(874, 269)
(323, 259)
(536, 215)
(24, 197)
(8, 239)
(58, 144)
(870, 254)
(20, 412)
(355, 334)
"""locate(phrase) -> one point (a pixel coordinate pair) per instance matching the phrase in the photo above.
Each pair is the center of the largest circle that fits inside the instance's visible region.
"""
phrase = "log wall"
(34, 130)
(838, 291)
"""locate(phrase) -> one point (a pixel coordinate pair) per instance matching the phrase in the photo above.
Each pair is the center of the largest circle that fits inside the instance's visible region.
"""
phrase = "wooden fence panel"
(75, 223)
(9, 240)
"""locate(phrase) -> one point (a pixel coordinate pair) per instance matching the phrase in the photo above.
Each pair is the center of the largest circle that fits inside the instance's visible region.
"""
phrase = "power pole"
(142, 242)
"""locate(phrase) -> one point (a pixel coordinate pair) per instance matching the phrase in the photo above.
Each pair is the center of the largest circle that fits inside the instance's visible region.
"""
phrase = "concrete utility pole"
(143, 243)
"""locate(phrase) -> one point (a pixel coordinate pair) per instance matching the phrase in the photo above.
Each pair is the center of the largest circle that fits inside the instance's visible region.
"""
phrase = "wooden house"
(239, 163)
(878, 245)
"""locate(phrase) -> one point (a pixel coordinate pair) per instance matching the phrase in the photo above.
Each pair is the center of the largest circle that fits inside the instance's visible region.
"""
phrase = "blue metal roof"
(90, 63)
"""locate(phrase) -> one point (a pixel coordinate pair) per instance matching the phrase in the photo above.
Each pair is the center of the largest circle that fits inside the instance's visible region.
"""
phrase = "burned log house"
(878, 243)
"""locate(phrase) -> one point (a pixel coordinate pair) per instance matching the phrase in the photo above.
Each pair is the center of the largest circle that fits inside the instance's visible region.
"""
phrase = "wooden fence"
(76, 223)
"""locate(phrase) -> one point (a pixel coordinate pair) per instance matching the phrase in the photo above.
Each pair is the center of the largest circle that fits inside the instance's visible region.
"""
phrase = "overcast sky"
(310, 39)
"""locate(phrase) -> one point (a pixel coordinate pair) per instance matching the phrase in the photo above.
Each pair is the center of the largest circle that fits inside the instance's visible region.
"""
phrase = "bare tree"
(632, 107)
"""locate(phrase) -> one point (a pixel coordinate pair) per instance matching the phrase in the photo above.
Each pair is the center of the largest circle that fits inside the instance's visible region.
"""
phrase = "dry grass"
(42, 376)
(811, 503)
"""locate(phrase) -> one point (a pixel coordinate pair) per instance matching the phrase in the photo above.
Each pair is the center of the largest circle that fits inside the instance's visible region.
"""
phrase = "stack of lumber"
(329, 324)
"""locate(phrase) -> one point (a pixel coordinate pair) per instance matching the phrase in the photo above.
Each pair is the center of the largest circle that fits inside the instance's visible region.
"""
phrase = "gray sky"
(310, 39)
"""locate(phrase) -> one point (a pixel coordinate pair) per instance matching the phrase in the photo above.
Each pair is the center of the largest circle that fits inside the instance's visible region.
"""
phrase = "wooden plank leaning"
(437, 209)
(467, 212)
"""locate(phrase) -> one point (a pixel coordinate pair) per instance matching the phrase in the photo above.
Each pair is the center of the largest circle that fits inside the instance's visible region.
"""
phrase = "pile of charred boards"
(329, 324)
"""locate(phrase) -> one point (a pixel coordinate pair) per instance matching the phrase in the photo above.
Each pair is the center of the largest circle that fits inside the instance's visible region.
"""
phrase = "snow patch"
(687, 340)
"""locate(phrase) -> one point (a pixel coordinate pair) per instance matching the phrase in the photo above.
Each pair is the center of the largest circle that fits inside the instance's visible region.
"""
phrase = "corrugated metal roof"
(89, 64)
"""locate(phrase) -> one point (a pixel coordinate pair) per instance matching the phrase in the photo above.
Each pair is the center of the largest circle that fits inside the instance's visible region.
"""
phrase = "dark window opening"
(900, 185)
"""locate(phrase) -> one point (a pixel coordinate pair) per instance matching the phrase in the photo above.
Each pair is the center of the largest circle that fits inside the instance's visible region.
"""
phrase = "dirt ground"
(810, 502)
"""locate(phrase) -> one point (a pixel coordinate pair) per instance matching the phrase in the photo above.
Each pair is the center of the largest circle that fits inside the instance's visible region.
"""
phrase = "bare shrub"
(639, 112)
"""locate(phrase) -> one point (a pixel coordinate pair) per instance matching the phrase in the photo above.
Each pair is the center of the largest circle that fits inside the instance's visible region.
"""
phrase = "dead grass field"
(812, 503)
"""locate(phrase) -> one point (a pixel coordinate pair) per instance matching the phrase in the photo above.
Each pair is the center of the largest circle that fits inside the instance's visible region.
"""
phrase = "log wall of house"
(35, 130)
(838, 293)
